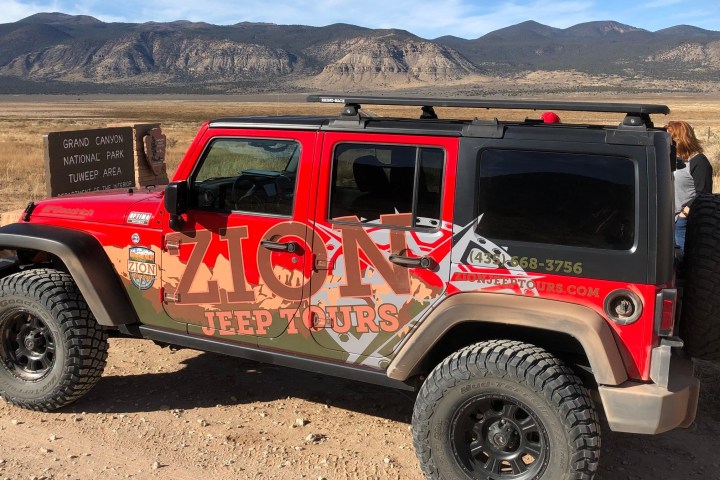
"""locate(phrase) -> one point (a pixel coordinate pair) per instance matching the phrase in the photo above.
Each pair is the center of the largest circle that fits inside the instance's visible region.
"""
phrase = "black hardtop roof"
(627, 108)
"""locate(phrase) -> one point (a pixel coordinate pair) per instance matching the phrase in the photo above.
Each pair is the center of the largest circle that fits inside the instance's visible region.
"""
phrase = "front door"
(237, 268)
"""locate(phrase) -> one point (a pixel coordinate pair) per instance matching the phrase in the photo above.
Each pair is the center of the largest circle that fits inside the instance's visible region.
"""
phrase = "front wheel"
(52, 351)
(501, 410)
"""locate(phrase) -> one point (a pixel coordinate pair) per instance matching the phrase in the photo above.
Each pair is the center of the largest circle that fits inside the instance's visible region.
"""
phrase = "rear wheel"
(700, 323)
(52, 350)
(505, 410)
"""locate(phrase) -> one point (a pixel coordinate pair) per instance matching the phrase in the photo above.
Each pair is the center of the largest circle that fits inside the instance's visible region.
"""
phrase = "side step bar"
(274, 358)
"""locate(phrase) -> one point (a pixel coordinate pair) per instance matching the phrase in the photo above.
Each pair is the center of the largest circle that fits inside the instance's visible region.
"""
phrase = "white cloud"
(658, 14)
(13, 10)
(660, 3)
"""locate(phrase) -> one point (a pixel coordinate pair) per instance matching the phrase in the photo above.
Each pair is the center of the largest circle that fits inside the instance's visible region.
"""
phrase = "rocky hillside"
(694, 55)
(54, 52)
(599, 48)
(153, 56)
(388, 61)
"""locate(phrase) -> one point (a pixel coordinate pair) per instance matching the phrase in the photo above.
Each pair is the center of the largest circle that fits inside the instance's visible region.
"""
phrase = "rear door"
(238, 268)
(382, 213)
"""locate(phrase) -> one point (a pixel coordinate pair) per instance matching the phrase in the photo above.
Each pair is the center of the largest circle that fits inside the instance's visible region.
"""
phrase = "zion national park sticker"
(142, 267)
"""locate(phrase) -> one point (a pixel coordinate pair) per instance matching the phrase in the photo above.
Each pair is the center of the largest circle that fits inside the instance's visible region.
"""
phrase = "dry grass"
(23, 124)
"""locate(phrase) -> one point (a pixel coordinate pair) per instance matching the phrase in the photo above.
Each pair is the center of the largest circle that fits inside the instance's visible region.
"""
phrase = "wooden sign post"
(150, 167)
(120, 156)
(155, 143)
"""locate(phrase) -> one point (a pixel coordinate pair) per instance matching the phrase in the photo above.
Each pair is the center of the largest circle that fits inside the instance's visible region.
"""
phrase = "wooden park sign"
(154, 143)
(89, 160)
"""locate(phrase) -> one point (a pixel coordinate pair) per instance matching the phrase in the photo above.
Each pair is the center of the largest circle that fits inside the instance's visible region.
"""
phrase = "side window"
(249, 175)
(371, 180)
(565, 199)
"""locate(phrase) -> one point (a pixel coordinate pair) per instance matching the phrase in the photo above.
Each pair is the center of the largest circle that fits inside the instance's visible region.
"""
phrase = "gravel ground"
(189, 415)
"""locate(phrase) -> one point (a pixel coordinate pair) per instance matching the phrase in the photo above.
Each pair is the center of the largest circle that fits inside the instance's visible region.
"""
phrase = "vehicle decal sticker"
(346, 300)
(396, 307)
(142, 267)
(139, 218)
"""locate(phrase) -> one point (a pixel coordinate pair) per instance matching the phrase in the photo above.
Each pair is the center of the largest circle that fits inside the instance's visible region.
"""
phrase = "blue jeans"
(680, 229)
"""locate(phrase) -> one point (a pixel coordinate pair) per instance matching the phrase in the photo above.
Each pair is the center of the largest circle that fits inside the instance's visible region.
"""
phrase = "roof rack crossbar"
(634, 109)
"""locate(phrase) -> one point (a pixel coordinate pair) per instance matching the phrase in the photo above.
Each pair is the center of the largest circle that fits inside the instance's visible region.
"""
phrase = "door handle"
(413, 262)
(290, 247)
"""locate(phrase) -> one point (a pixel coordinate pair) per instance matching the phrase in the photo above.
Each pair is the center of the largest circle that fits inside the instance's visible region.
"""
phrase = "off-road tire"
(65, 350)
(700, 322)
(547, 392)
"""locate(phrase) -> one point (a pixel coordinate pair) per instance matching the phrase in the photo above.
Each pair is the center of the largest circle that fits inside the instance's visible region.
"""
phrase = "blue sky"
(426, 18)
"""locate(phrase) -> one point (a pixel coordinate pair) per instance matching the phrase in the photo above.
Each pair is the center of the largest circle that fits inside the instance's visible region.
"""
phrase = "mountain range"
(59, 53)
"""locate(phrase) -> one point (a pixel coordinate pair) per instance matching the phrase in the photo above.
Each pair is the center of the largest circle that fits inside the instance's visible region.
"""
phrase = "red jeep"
(504, 270)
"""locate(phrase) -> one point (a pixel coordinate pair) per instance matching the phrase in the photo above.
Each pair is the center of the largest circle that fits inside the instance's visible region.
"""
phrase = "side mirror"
(176, 202)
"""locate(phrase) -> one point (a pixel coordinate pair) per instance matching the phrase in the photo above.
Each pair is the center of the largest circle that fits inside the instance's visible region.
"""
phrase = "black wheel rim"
(27, 346)
(498, 437)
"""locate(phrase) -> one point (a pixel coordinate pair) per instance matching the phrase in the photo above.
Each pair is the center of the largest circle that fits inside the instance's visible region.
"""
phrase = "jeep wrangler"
(518, 276)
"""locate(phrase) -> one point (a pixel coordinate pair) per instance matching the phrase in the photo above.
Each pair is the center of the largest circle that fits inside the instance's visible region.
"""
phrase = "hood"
(115, 207)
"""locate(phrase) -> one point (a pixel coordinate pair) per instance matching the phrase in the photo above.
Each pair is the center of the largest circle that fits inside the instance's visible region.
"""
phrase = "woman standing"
(693, 176)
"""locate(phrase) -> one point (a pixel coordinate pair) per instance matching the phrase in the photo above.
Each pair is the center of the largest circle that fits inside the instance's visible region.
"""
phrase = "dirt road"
(191, 415)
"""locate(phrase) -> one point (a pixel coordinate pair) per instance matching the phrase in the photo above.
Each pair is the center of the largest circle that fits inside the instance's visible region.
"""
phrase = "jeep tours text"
(518, 276)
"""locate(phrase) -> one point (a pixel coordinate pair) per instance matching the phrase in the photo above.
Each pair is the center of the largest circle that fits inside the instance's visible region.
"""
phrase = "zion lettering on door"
(249, 297)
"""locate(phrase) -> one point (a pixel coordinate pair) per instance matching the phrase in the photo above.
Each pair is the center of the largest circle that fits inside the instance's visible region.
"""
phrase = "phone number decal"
(479, 257)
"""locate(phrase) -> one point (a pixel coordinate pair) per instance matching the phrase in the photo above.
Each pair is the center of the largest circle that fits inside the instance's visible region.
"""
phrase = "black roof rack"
(633, 109)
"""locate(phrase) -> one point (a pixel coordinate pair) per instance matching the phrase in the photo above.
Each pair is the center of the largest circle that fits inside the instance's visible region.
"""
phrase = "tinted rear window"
(555, 198)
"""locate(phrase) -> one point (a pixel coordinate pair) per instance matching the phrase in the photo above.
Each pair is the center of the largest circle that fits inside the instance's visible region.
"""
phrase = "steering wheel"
(251, 199)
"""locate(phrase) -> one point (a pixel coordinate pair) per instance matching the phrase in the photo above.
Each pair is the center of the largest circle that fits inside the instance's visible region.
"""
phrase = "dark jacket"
(702, 173)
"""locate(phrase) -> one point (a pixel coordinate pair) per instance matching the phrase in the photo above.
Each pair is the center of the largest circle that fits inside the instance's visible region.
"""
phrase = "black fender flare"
(87, 263)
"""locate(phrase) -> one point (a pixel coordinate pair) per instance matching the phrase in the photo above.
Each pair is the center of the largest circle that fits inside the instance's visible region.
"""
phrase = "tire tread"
(84, 339)
(531, 365)
(699, 326)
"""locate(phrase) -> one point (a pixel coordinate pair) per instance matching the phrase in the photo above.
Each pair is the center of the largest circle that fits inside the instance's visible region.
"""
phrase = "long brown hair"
(685, 139)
